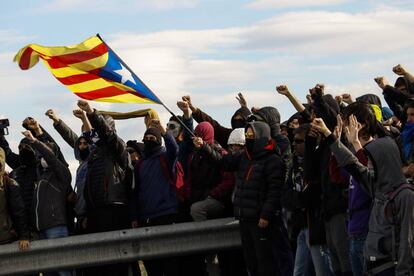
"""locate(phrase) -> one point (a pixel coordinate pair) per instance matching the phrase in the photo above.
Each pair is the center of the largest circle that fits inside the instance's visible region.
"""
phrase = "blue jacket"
(154, 194)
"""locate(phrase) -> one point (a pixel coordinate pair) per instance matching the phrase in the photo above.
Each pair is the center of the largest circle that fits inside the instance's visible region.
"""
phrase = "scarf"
(151, 113)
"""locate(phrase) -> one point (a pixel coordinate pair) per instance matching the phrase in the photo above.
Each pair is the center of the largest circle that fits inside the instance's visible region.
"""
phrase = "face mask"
(150, 147)
(249, 145)
(43, 163)
(173, 128)
(26, 157)
(238, 123)
(83, 154)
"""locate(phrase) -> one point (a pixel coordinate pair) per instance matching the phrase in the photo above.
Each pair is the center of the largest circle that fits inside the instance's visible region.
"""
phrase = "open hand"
(339, 126)
(241, 99)
(352, 130)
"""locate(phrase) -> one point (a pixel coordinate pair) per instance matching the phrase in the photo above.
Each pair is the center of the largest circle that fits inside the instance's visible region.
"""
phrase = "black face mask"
(150, 147)
(249, 145)
(26, 157)
(238, 123)
(83, 154)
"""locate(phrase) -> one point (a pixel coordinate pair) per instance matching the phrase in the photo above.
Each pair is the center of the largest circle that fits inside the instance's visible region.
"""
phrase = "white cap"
(237, 137)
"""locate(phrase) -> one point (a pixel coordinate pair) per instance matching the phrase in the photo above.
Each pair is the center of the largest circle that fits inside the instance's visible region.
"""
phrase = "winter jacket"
(52, 190)
(380, 179)
(259, 176)
(221, 133)
(81, 172)
(107, 165)
(205, 176)
(12, 211)
(24, 174)
(302, 197)
(317, 157)
(154, 193)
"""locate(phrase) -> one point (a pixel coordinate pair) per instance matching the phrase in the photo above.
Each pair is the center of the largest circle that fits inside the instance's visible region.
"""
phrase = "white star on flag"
(125, 75)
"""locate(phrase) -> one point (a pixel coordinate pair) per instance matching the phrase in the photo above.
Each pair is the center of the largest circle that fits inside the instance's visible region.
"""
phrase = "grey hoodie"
(382, 176)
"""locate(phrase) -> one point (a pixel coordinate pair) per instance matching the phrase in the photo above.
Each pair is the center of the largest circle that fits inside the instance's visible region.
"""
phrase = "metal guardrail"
(120, 246)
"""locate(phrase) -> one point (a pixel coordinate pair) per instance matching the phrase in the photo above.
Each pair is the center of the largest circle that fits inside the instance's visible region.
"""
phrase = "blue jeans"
(303, 258)
(311, 260)
(356, 252)
(60, 231)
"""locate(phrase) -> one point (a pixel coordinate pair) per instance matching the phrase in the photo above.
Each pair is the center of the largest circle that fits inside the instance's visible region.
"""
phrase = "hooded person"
(210, 187)
(154, 201)
(271, 116)
(260, 175)
(375, 103)
(12, 210)
(398, 95)
(40, 133)
(174, 127)
(135, 150)
(221, 133)
(106, 188)
(389, 243)
(82, 146)
(24, 170)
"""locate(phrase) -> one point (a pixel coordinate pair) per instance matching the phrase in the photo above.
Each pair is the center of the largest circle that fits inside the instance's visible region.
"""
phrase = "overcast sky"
(208, 49)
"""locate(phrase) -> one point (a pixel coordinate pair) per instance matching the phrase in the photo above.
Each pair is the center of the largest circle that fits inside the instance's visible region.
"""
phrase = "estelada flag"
(91, 70)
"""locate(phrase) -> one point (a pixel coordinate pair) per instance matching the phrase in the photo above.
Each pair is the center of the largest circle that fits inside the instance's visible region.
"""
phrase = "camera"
(4, 123)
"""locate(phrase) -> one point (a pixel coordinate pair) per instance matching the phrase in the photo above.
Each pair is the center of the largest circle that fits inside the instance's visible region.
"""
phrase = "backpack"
(390, 213)
(175, 176)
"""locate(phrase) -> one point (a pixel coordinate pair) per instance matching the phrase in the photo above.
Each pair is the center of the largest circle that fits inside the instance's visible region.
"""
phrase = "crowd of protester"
(328, 192)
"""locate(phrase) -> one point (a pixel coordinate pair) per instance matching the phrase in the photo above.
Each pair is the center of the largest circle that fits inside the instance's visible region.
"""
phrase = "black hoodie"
(259, 176)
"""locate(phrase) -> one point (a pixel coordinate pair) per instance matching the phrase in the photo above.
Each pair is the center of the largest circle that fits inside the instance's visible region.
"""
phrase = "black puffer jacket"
(259, 176)
(107, 165)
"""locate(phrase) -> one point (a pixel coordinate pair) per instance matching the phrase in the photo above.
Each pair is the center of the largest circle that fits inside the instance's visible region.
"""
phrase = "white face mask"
(43, 163)
(174, 128)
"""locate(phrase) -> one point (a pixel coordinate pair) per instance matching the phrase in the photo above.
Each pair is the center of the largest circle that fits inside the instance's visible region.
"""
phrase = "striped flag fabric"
(91, 70)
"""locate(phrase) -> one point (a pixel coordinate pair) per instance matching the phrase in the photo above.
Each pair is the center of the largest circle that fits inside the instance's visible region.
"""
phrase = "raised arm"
(60, 170)
(107, 134)
(402, 71)
(221, 133)
(346, 159)
(284, 90)
(12, 159)
(62, 128)
(86, 125)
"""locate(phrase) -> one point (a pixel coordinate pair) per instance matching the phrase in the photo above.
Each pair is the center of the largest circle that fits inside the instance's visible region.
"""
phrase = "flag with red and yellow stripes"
(91, 70)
